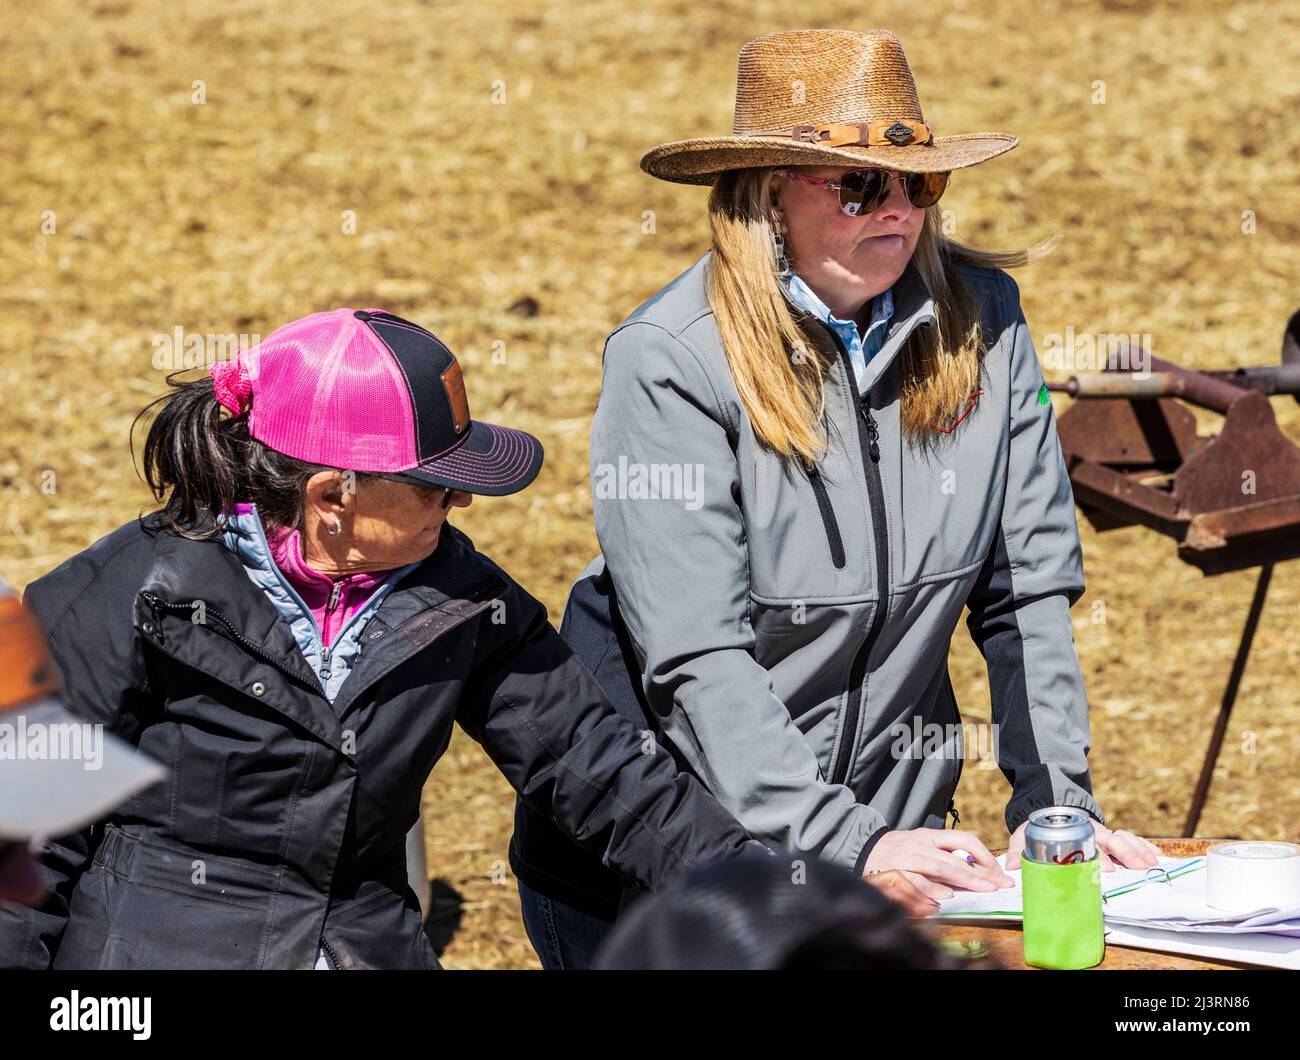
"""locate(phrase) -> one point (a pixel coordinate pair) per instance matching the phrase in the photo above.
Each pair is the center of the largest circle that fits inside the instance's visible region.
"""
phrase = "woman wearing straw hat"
(293, 633)
(858, 402)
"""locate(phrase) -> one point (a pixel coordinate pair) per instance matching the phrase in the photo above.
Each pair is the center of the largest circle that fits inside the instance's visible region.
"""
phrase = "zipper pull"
(336, 591)
(952, 812)
(873, 432)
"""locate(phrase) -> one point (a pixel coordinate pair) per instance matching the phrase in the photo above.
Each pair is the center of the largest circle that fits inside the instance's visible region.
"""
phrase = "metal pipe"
(1197, 387)
(1270, 380)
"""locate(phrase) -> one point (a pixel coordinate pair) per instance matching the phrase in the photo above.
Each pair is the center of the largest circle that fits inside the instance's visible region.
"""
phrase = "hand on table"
(917, 868)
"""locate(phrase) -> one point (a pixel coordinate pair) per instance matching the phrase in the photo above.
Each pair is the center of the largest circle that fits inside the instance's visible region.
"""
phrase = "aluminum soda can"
(1059, 835)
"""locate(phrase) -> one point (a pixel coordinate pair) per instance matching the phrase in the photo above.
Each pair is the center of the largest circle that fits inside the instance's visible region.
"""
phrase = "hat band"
(893, 133)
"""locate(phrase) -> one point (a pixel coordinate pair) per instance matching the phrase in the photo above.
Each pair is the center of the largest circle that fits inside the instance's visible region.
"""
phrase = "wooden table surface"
(1004, 945)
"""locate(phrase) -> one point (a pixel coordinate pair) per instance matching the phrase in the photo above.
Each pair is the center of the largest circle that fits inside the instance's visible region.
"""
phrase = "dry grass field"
(353, 153)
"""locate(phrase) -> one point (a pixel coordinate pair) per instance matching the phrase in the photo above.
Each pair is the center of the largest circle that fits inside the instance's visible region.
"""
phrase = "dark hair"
(200, 461)
(754, 912)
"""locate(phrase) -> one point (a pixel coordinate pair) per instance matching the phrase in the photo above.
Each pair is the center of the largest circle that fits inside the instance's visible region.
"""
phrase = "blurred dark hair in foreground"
(761, 912)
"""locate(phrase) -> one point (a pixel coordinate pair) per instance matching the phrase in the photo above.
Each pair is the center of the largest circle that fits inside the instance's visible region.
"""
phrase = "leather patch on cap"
(454, 383)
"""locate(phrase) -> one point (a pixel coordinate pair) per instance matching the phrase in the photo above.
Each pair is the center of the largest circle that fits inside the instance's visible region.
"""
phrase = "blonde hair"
(779, 380)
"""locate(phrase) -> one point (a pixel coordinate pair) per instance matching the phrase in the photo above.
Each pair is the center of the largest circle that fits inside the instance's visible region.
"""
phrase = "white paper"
(1170, 900)
(1273, 951)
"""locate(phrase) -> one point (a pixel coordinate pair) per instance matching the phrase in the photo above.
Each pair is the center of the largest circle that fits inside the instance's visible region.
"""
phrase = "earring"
(334, 529)
(782, 259)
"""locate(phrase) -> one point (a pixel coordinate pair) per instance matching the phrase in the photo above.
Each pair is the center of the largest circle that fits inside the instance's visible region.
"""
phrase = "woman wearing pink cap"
(293, 633)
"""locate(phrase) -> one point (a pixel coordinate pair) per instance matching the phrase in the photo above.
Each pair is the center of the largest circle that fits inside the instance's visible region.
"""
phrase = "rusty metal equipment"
(1231, 501)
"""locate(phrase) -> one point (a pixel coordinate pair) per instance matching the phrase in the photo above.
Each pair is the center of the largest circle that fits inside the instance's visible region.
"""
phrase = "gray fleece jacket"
(792, 628)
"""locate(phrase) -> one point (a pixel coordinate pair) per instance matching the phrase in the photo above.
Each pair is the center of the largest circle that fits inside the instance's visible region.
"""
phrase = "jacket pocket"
(164, 906)
(165, 929)
(833, 538)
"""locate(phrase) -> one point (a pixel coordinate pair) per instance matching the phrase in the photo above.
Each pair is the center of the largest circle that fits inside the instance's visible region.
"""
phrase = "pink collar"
(313, 586)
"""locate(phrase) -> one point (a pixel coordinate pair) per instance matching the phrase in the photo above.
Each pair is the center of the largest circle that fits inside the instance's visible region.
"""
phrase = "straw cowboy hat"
(824, 97)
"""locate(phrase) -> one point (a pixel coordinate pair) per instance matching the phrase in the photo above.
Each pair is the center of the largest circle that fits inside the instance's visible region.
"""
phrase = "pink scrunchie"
(231, 383)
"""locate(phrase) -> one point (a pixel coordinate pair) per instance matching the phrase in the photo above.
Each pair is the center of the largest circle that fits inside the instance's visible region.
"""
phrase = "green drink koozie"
(1063, 925)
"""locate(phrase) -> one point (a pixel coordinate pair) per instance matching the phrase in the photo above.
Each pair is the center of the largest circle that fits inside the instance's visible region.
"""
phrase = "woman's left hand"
(1129, 850)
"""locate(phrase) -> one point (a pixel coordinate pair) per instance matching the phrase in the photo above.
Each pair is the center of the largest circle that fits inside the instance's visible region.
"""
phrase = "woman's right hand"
(917, 868)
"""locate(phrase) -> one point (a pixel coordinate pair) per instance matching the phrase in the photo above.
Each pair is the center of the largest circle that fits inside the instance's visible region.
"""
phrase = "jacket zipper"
(157, 604)
(259, 532)
(869, 443)
(961, 760)
(336, 591)
(330, 954)
(833, 537)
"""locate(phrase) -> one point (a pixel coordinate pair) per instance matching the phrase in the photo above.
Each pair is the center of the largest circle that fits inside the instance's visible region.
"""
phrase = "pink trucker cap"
(364, 390)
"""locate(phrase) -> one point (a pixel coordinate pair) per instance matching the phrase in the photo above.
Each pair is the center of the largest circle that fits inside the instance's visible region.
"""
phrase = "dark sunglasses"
(863, 190)
(444, 501)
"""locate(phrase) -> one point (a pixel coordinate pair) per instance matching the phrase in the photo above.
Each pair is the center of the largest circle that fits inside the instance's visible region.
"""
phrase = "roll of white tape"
(1242, 877)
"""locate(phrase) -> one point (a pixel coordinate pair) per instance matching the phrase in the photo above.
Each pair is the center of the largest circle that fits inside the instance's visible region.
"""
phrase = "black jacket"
(282, 824)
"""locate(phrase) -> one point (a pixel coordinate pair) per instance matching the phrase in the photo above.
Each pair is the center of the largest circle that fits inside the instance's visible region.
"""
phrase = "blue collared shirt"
(861, 347)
